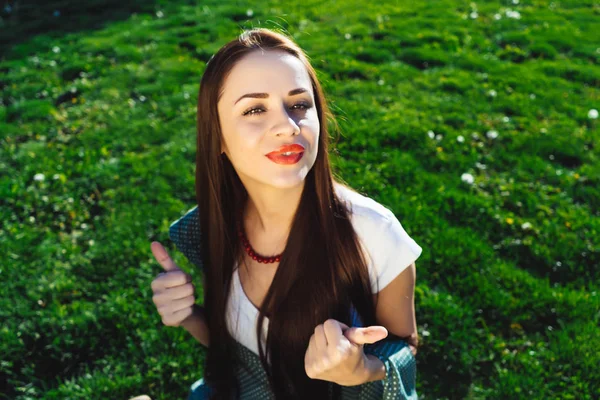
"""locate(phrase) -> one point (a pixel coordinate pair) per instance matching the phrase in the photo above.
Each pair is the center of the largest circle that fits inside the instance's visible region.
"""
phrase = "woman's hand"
(335, 352)
(173, 292)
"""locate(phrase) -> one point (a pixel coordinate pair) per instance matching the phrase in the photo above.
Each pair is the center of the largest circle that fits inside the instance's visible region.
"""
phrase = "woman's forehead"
(265, 72)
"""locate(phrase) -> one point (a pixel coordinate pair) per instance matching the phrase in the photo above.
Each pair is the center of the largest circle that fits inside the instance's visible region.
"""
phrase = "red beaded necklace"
(255, 256)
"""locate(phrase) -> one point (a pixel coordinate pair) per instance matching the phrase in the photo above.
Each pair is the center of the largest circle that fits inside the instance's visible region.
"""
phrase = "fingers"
(170, 279)
(330, 334)
(180, 292)
(173, 290)
(176, 305)
(173, 275)
(163, 258)
(366, 335)
(320, 339)
(333, 331)
(177, 318)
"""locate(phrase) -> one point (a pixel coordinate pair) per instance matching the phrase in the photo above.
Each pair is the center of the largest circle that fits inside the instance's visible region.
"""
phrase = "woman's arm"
(196, 325)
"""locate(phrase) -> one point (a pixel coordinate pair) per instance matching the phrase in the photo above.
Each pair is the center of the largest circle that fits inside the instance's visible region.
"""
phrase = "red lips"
(294, 148)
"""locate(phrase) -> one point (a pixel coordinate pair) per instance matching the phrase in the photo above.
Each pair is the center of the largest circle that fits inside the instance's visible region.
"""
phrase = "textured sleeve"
(400, 380)
(185, 233)
(393, 251)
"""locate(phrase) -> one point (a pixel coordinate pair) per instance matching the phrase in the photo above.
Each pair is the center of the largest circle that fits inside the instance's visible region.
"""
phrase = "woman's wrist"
(196, 325)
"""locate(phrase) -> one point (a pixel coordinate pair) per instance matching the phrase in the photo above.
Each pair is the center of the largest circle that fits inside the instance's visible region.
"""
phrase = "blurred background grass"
(475, 122)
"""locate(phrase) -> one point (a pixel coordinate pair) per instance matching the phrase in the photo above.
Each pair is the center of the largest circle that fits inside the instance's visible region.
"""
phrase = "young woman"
(308, 285)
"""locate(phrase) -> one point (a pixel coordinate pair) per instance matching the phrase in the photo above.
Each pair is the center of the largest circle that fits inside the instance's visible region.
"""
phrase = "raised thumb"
(366, 335)
(163, 258)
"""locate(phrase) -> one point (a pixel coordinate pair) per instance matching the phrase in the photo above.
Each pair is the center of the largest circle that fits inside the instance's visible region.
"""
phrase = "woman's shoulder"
(389, 248)
(367, 215)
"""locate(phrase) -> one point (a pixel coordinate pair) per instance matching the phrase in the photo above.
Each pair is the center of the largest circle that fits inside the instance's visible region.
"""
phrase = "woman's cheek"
(313, 127)
(251, 132)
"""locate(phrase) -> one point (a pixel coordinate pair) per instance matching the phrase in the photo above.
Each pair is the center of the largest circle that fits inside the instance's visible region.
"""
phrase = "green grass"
(103, 105)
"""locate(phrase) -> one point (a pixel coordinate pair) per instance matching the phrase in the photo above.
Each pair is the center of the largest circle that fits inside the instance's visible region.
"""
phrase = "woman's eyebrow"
(266, 95)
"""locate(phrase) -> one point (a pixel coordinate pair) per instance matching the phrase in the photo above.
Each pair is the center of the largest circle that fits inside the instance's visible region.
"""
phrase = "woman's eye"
(260, 110)
(252, 111)
(305, 106)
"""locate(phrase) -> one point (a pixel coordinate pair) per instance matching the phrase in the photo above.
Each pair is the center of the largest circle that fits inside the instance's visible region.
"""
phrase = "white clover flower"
(249, 13)
(160, 14)
(480, 165)
(492, 134)
(380, 82)
(431, 134)
(39, 177)
(56, 49)
(593, 114)
(515, 2)
(532, 96)
(460, 139)
(505, 119)
(438, 137)
(492, 93)
(474, 15)
(348, 36)
(513, 14)
(526, 226)
(468, 178)
(497, 16)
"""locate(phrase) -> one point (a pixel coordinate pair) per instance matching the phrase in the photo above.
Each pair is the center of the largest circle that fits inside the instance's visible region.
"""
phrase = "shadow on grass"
(45, 361)
(24, 19)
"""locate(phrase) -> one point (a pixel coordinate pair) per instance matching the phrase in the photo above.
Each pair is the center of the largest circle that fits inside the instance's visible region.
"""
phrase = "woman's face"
(253, 127)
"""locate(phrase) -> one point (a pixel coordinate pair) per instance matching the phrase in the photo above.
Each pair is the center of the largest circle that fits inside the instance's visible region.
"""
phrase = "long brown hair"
(322, 271)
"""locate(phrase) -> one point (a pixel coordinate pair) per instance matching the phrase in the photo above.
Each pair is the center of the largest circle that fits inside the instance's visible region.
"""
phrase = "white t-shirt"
(388, 249)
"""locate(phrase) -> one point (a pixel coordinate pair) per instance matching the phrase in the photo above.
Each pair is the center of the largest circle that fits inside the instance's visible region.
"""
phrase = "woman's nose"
(285, 122)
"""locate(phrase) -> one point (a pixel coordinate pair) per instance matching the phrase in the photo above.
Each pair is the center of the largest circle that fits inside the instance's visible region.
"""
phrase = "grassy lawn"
(475, 122)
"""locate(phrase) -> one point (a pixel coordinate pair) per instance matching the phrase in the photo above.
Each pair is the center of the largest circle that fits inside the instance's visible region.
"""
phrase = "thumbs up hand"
(335, 352)
(173, 292)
